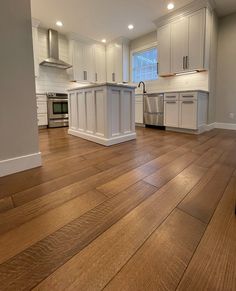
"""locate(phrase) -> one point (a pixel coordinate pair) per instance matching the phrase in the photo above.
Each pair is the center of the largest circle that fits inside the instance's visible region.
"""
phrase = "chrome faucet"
(144, 87)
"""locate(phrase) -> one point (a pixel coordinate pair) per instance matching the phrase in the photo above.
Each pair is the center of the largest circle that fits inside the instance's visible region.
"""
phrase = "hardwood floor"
(157, 213)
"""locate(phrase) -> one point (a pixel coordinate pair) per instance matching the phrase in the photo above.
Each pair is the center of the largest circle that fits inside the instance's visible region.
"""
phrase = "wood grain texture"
(59, 232)
(96, 265)
(28, 268)
(124, 181)
(20, 238)
(161, 261)
(203, 200)
(213, 266)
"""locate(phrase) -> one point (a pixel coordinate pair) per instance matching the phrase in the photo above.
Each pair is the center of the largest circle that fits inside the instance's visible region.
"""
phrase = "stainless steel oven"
(57, 110)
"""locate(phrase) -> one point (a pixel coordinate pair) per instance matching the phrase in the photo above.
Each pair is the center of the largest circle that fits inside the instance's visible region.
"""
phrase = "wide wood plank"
(161, 261)
(124, 181)
(33, 265)
(20, 238)
(165, 174)
(32, 209)
(203, 200)
(213, 267)
(96, 265)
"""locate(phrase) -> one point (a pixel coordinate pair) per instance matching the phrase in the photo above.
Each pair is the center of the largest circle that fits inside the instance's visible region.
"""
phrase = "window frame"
(138, 50)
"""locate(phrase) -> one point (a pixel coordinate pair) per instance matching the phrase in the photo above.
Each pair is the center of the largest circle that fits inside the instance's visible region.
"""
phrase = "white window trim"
(137, 50)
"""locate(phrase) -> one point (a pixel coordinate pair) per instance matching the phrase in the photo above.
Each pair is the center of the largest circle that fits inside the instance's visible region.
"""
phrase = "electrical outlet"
(231, 115)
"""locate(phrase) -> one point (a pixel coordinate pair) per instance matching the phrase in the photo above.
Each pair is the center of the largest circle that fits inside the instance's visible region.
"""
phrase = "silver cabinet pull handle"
(96, 77)
(171, 102)
(113, 77)
(170, 96)
(187, 96)
(187, 102)
(184, 63)
(85, 76)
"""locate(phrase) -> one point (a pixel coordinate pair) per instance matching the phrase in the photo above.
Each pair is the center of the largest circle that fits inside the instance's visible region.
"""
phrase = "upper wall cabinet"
(117, 61)
(164, 49)
(82, 59)
(100, 63)
(88, 62)
(183, 44)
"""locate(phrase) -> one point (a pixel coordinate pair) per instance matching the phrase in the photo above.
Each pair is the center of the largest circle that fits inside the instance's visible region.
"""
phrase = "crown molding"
(184, 11)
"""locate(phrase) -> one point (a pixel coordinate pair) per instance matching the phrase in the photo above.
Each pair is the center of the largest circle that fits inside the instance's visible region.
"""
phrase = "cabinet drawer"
(188, 96)
(41, 107)
(171, 96)
(188, 114)
(171, 113)
(41, 98)
(42, 119)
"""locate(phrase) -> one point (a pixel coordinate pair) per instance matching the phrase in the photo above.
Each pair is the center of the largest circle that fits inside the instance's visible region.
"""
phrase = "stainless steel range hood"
(53, 52)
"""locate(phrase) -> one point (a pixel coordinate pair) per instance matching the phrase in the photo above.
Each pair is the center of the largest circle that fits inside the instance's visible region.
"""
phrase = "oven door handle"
(57, 100)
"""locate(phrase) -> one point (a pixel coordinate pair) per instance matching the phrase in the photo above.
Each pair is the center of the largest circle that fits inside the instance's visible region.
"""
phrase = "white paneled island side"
(102, 113)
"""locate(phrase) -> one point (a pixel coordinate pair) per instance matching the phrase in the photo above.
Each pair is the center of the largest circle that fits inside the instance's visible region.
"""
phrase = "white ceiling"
(98, 19)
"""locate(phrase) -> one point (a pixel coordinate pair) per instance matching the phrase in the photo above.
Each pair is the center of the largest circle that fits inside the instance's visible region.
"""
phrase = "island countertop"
(101, 85)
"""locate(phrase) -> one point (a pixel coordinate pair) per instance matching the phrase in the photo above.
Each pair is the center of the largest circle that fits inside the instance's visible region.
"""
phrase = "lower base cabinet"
(171, 113)
(42, 114)
(186, 110)
(139, 109)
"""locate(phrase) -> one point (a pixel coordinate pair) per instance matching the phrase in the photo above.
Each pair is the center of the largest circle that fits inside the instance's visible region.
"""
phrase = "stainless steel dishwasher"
(154, 109)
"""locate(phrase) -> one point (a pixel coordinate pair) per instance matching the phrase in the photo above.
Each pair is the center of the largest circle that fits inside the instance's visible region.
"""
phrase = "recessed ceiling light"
(130, 26)
(170, 6)
(59, 23)
(104, 40)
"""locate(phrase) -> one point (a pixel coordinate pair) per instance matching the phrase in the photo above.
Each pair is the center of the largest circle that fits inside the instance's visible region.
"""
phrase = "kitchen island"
(102, 113)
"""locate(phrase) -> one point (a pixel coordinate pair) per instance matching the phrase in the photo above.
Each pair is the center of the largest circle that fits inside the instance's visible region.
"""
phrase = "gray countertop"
(173, 91)
(101, 85)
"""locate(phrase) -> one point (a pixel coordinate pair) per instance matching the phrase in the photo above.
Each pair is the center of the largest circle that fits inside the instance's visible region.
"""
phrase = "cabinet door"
(88, 73)
(100, 63)
(35, 50)
(179, 45)
(196, 40)
(139, 109)
(164, 50)
(110, 63)
(118, 63)
(188, 114)
(171, 113)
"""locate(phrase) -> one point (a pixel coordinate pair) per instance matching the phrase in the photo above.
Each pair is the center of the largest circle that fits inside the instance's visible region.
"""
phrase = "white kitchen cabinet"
(42, 114)
(139, 109)
(171, 113)
(179, 45)
(35, 51)
(188, 114)
(100, 63)
(196, 43)
(186, 111)
(117, 61)
(164, 50)
(81, 56)
(183, 43)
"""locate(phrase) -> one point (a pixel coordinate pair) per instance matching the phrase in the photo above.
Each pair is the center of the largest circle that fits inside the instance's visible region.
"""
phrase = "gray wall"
(226, 70)
(18, 120)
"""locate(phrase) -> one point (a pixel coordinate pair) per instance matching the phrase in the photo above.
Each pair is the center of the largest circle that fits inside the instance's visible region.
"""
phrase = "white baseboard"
(19, 164)
(230, 126)
(209, 127)
(102, 140)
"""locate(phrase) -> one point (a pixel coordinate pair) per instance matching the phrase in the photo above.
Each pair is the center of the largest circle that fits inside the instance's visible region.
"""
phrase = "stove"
(57, 110)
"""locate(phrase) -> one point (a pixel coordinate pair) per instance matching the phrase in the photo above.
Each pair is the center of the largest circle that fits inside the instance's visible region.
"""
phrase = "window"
(144, 65)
